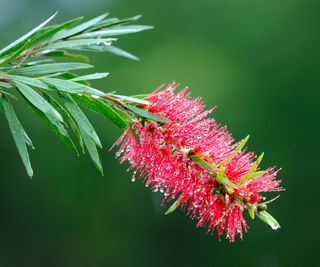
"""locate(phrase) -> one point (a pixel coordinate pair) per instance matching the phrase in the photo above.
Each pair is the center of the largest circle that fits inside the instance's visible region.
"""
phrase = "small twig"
(4, 79)
(26, 54)
(116, 101)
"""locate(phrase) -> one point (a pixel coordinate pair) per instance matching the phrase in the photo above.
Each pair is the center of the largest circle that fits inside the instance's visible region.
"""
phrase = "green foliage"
(30, 66)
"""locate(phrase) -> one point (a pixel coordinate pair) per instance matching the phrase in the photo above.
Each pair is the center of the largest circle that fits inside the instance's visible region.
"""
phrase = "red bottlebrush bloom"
(194, 160)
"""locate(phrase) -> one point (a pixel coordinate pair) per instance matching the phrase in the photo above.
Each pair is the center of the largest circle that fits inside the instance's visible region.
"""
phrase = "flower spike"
(190, 158)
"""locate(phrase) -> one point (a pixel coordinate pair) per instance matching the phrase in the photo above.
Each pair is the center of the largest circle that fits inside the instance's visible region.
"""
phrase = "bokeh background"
(258, 61)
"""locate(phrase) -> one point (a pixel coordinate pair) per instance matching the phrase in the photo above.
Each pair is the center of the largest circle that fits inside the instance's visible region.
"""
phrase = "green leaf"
(1, 105)
(36, 62)
(93, 48)
(251, 212)
(227, 182)
(173, 207)
(25, 135)
(35, 99)
(242, 143)
(252, 169)
(30, 81)
(69, 76)
(81, 119)
(201, 162)
(131, 99)
(72, 87)
(64, 54)
(79, 28)
(42, 69)
(93, 76)
(20, 42)
(93, 152)
(102, 109)
(256, 174)
(256, 164)
(121, 112)
(220, 174)
(5, 85)
(18, 134)
(146, 114)
(111, 22)
(268, 219)
(76, 44)
(45, 33)
(27, 138)
(120, 52)
(133, 130)
(88, 133)
(66, 117)
(16, 53)
(115, 31)
(57, 128)
(238, 148)
(269, 201)
(142, 96)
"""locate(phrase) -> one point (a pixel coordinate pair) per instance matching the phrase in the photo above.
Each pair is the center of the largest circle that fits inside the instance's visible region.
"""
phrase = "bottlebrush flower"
(192, 159)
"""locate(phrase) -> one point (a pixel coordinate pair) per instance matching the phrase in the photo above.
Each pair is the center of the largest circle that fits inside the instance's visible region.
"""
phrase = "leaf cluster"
(41, 68)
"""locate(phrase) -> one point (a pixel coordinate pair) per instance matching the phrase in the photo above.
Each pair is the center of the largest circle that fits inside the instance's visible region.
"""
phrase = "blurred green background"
(258, 61)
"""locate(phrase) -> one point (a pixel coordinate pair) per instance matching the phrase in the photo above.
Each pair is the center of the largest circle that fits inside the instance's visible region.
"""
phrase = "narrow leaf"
(36, 62)
(72, 87)
(81, 119)
(242, 143)
(64, 54)
(268, 219)
(49, 68)
(88, 134)
(75, 44)
(142, 96)
(252, 169)
(256, 164)
(146, 114)
(120, 52)
(57, 128)
(5, 85)
(37, 100)
(93, 76)
(251, 212)
(19, 42)
(133, 130)
(102, 109)
(111, 22)
(30, 81)
(115, 31)
(18, 134)
(46, 33)
(66, 117)
(15, 54)
(27, 139)
(93, 152)
(132, 99)
(220, 174)
(1, 105)
(201, 162)
(173, 207)
(269, 201)
(79, 28)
